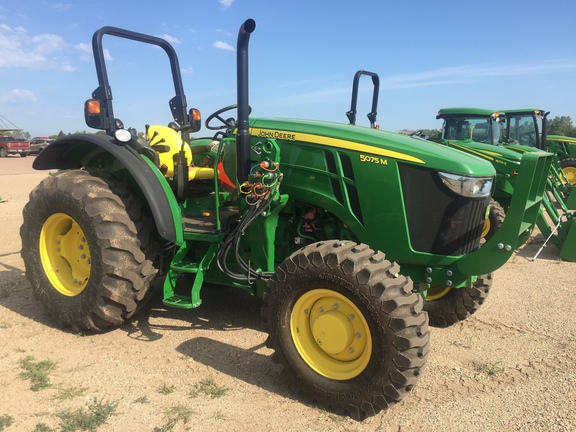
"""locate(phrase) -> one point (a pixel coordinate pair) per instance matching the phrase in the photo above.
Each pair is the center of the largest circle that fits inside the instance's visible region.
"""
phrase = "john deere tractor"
(502, 137)
(342, 230)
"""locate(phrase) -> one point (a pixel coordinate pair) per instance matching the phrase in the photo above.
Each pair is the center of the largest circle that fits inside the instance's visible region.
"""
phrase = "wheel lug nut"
(335, 306)
(351, 317)
(350, 350)
(320, 309)
(358, 335)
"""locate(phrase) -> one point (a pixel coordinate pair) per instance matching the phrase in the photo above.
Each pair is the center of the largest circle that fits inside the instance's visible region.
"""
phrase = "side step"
(179, 265)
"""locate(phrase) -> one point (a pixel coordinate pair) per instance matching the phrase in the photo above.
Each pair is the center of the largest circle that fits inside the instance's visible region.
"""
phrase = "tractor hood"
(371, 142)
(489, 152)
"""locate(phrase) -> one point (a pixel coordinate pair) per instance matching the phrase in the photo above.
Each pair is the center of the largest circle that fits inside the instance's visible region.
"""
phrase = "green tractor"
(342, 231)
(502, 137)
(527, 127)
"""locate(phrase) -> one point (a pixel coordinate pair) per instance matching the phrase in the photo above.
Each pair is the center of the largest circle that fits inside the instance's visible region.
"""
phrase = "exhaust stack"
(243, 130)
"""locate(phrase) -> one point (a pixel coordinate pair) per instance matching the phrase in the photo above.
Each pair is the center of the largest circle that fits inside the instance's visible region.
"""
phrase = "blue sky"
(303, 57)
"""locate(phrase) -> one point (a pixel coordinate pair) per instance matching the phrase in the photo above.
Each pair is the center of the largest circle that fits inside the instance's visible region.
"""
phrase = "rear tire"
(447, 306)
(569, 168)
(88, 249)
(23, 154)
(346, 327)
(3, 153)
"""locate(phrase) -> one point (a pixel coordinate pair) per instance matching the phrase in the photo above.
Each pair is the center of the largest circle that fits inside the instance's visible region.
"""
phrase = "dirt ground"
(511, 367)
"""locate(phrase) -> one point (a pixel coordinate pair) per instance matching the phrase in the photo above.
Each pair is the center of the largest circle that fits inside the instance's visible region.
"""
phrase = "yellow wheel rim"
(65, 254)
(570, 173)
(436, 292)
(331, 334)
(486, 228)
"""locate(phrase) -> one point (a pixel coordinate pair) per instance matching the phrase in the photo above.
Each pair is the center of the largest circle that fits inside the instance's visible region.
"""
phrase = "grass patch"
(166, 389)
(209, 388)
(66, 393)
(5, 421)
(42, 427)
(142, 400)
(37, 372)
(492, 369)
(175, 414)
(87, 418)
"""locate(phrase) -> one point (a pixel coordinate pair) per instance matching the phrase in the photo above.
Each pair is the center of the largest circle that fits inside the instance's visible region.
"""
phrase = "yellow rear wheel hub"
(331, 334)
(65, 254)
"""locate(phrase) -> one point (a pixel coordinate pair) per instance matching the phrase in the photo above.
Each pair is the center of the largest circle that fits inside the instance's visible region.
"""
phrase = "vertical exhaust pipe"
(243, 130)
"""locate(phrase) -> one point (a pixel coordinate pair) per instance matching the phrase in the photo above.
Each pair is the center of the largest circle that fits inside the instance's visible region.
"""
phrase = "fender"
(81, 150)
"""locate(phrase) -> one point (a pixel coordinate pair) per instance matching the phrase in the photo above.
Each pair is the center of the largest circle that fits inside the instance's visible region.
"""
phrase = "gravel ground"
(510, 367)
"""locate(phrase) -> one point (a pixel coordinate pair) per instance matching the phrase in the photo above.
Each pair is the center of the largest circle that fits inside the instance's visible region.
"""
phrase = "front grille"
(440, 221)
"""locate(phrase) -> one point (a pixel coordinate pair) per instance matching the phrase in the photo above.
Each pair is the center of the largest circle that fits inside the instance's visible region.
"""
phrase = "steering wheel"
(226, 123)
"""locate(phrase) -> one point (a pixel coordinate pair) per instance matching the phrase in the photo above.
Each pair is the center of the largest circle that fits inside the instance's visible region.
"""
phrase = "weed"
(37, 372)
(88, 418)
(209, 388)
(5, 421)
(166, 389)
(175, 414)
(4, 325)
(41, 427)
(69, 393)
(142, 400)
(492, 368)
(219, 415)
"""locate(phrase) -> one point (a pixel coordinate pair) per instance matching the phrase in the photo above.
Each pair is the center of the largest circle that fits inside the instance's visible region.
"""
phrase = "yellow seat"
(167, 143)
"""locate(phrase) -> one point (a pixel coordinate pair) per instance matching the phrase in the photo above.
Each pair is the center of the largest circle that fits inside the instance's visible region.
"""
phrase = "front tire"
(494, 221)
(447, 306)
(88, 250)
(346, 326)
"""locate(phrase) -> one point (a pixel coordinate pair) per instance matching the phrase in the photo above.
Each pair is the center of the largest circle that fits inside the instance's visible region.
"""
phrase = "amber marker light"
(94, 107)
(195, 113)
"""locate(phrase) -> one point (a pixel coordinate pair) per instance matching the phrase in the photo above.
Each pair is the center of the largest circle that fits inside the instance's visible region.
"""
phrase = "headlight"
(122, 135)
(471, 187)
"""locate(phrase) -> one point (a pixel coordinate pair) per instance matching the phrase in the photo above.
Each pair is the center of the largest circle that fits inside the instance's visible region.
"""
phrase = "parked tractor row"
(344, 232)
(502, 137)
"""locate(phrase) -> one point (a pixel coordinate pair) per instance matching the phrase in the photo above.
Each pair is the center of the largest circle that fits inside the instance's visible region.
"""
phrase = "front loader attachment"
(525, 208)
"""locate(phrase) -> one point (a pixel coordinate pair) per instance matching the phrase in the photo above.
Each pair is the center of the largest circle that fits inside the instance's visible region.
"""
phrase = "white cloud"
(225, 3)
(170, 39)
(18, 95)
(38, 52)
(463, 73)
(223, 46)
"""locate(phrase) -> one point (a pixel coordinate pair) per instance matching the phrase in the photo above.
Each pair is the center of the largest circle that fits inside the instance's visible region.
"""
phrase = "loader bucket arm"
(520, 219)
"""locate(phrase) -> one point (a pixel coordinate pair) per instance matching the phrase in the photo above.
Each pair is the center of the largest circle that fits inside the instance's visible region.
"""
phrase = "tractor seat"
(167, 143)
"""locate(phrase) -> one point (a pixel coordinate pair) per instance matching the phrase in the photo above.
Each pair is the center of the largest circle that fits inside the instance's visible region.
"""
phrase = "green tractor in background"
(527, 127)
(342, 231)
(565, 148)
(502, 137)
